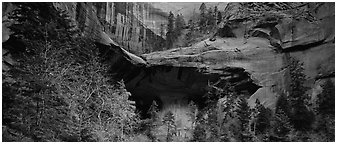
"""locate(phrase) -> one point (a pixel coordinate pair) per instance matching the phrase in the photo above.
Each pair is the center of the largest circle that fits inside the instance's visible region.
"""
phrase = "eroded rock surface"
(265, 54)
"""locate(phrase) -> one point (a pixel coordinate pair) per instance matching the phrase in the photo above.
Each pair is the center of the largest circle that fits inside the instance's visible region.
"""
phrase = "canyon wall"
(264, 52)
(134, 26)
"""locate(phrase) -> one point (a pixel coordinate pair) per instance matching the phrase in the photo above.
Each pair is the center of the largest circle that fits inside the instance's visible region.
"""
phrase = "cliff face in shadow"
(132, 25)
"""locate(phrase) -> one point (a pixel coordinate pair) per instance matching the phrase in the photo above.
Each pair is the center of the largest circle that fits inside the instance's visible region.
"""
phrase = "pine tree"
(210, 18)
(215, 15)
(326, 100)
(153, 122)
(260, 118)
(325, 111)
(162, 30)
(213, 124)
(219, 17)
(301, 117)
(282, 104)
(179, 24)
(169, 121)
(243, 112)
(203, 17)
(170, 35)
(282, 125)
(192, 113)
(41, 21)
(153, 110)
(199, 133)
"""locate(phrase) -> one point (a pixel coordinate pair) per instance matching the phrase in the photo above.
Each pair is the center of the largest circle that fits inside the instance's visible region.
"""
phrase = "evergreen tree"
(215, 15)
(192, 113)
(180, 24)
(210, 18)
(153, 110)
(281, 125)
(199, 133)
(41, 21)
(203, 17)
(169, 121)
(213, 124)
(243, 113)
(301, 117)
(326, 111)
(260, 118)
(219, 17)
(190, 25)
(170, 35)
(326, 100)
(153, 123)
(283, 105)
(162, 30)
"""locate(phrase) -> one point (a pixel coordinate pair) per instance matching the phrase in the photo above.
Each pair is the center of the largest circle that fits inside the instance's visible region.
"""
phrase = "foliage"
(153, 111)
(179, 25)
(192, 113)
(211, 19)
(218, 15)
(300, 115)
(169, 121)
(170, 35)
(199, 133)
(41, 21)
(204, 26)
(256, 10)
(162, 30)
(59, 90)
(325, 111)
(281, 124)
(326, 99)
(262, 118)
(203, 19)
(243, 112)
(153, 123)
(64, 87)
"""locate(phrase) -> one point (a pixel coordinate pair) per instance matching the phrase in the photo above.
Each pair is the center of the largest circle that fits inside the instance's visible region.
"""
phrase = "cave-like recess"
(171, 87)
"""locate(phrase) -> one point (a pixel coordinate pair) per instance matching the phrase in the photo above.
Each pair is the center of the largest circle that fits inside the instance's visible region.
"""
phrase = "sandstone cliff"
(131, 25)
(264, 61)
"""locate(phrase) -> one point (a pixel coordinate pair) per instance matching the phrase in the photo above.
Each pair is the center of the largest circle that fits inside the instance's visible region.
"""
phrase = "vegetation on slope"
(58, 90)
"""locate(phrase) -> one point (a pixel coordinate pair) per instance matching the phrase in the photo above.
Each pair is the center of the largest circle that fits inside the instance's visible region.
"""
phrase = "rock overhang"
(264, 59)
(254, 58)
